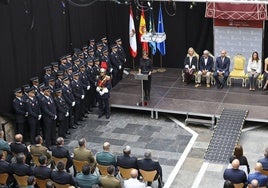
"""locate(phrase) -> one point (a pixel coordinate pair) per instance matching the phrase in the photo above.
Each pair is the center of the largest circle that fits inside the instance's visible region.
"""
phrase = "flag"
(132, 35)
(161, 46)
(152, 44)
(142, 30)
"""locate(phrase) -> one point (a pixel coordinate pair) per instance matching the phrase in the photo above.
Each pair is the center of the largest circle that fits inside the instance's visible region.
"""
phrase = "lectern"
(141, 77)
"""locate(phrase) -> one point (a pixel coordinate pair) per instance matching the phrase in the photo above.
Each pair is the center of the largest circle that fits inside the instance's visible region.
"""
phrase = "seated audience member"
(253, 69)
(3, 144)
(234, 174)
(86, 179)
(190, 65)
(127, 161)
(149, 165)
(105, 157)
(38, 149)
(5, 167)
(18, 147)
(206, 66)
(60, 176)
(222, 66)
(133, 182)
(81, 153)
(228, 184)
(254, 184)
(238, 154)
(109, 181)
(264, 161)
(50, 184)
(61, 152)
(42, 171)
(262, 179)
(265, 74)
(20, 168)
(31, 181)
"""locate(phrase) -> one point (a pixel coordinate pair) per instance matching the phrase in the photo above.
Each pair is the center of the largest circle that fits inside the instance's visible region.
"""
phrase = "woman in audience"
(253, 69)
(238, 154)
(190, 65)
(265, 74)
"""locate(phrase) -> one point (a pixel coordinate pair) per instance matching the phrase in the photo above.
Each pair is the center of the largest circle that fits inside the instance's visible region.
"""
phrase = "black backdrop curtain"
(35, 33)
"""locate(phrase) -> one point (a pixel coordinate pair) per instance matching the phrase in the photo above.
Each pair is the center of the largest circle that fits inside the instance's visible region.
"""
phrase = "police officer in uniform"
(20, 111)
(47, 75)
(146, 67)
(122, 54)
(49, 114)
(62, 113)
(34, 114)
(116, 64)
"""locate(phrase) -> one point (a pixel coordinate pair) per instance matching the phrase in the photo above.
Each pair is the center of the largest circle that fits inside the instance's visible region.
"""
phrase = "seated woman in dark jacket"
(238, 154)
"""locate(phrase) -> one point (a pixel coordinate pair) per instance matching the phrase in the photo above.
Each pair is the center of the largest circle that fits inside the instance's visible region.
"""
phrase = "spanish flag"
(142, 30)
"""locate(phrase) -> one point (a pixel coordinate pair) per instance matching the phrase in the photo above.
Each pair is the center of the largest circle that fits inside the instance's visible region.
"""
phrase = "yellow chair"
(125, 172)
(3, 178)
(148, 176)
(239, 185)
(56, 160)
(265, 172)
(57, 185)
(35, 159)
(79, 165)
(42, 183)
(21, 180)
(238, 71)
(260, 79)
(102, 169)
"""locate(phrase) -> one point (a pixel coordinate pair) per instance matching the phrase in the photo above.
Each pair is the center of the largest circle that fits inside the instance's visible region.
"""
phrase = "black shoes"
(68, 132)
(107, 116)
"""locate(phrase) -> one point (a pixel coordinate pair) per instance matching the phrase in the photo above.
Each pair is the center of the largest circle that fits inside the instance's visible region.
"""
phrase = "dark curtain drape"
(35, 33)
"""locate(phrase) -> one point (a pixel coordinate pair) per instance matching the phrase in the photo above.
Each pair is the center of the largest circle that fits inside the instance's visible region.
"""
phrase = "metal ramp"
(226, 135)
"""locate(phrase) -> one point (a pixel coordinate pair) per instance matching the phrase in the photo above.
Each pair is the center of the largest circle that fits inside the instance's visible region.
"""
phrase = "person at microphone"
(103, 93)
(146, 67)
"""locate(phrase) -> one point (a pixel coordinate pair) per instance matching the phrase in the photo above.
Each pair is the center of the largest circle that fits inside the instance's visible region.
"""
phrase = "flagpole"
(161, 69)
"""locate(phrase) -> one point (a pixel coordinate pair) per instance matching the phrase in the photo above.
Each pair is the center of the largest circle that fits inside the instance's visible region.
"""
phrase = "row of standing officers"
(70, 90)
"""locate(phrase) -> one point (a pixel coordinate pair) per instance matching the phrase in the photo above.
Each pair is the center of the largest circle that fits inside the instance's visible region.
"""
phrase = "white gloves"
(98, 89)
(105, 90)
(39, 117)
(101, 93)
(120, 67)
(88, 87)
(73, 104)
(67, 114)
(26, 114)
(83, 96)
(111, 70)
(187, 66)
(193, 67)
(55, 117)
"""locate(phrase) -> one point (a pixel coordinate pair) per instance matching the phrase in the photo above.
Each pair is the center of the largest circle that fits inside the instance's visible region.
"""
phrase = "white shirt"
(256, 65)
(133, 183)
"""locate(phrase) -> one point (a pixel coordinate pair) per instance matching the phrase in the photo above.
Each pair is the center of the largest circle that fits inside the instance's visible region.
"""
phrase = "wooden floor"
(169, 95)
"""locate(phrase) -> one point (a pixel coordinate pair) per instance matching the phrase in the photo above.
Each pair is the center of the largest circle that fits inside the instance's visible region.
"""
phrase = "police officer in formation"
(71, 88)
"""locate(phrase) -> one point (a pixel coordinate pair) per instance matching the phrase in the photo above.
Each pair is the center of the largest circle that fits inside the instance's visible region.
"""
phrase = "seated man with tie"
(206, 65)
(222, 69)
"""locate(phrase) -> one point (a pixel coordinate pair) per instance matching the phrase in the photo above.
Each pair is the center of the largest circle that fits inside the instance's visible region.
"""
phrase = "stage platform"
(170, 95)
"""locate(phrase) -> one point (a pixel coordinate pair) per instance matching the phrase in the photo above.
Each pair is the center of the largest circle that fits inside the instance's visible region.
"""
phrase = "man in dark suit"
(49, 114)
(42, 171)
(34, 114)
(62, 177)
(60, 151)
(206, 66)
(62, 113)
(127, 161)
(20, 111)
(18, 147)
(4, 165)
(20, 168)
(222, 69)
(235, 175)
(148, 164)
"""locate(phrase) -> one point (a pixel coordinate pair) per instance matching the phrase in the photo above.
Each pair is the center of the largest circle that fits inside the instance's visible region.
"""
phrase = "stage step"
(199, 121)
(226, 135)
